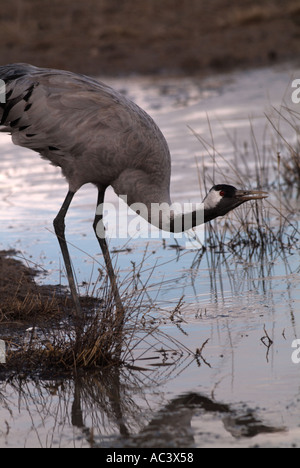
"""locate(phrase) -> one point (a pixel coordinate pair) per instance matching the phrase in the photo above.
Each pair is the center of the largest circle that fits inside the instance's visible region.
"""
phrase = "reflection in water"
(112, 409)
(173, 423)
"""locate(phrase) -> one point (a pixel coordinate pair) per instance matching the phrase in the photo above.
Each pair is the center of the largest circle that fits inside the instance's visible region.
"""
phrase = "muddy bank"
(24, 301)
(21, 298)
(38, 327)
(113, 37)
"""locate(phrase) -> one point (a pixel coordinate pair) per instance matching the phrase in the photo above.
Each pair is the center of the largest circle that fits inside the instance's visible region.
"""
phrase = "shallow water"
(244, 389)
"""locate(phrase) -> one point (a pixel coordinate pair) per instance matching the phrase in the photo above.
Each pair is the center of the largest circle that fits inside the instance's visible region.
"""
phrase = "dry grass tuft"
(60, 343)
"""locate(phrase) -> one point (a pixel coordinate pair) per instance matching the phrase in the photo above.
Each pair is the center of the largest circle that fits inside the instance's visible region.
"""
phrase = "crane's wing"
(56, 113)
(88, 129)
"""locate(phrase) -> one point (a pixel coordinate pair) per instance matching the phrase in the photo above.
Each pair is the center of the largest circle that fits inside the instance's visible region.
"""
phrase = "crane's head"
(223, 198)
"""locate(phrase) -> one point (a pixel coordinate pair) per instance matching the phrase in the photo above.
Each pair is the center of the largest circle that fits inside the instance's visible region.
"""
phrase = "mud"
(111, 37)
(24, 301)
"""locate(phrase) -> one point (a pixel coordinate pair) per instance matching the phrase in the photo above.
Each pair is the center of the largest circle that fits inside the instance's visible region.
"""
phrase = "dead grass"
(53, 336)
(56, 341)
(21, 298)
(258, 229)
(288, 154)
(58, 345)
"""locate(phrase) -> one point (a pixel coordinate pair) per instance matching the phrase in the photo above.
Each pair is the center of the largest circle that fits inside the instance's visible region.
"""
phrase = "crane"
(96, 135)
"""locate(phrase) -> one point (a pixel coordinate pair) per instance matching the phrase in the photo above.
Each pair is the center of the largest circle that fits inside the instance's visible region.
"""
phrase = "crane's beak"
(245, 195)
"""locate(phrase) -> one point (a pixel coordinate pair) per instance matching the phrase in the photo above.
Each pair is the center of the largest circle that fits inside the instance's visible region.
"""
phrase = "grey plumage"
(96, 135)
(88, 129)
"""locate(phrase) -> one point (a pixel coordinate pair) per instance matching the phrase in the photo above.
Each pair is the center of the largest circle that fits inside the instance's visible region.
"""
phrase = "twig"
(198, 354)
(267, 342)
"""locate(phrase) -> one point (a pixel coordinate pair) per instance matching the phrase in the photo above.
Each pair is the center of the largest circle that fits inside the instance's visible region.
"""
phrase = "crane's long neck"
(152, 202)
(179, 218)
(173, 217)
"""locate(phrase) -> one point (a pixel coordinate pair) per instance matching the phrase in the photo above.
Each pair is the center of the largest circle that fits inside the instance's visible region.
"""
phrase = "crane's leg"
(59, 227)
(100, 234)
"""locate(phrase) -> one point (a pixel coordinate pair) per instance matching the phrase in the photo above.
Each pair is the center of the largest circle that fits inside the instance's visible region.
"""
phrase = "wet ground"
(183, 37)
(239, 309)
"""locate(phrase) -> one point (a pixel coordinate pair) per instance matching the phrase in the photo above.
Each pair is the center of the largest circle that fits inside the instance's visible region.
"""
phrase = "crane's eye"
(222, 193)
